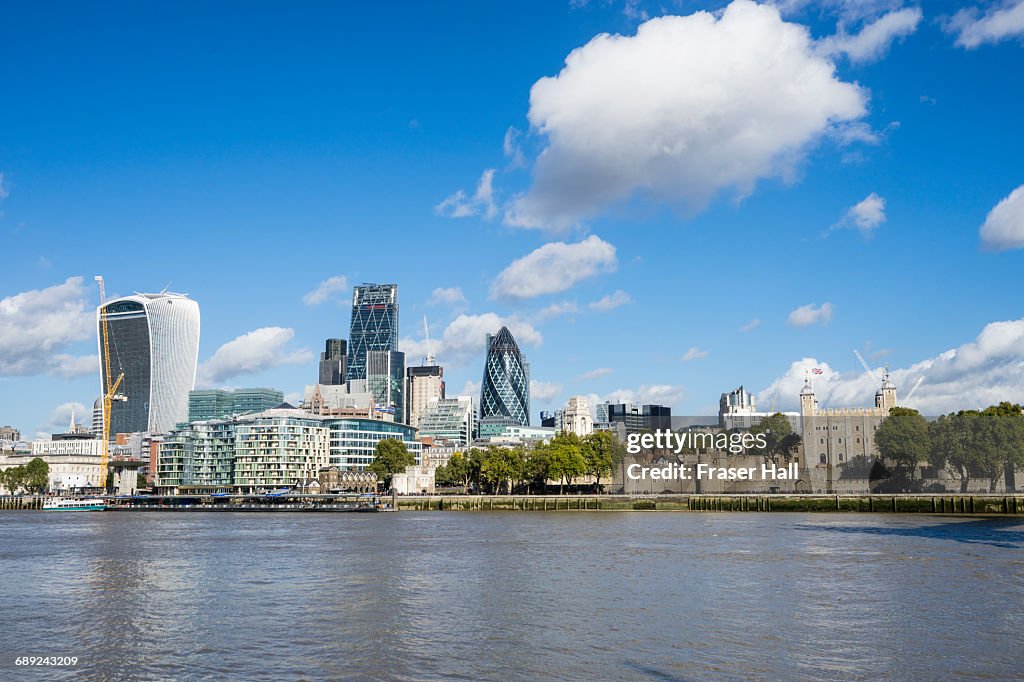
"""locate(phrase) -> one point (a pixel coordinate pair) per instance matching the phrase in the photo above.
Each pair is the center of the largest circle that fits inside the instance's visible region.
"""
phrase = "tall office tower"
(422, 385)
(385, 379)
(154, 341)
(332, 363)
(374, 325)
(636, 418)
(505, 390)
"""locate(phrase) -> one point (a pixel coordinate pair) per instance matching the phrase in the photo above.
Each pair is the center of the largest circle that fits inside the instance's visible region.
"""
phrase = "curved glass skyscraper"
(505, 390)
(374, 325)
(154, 340)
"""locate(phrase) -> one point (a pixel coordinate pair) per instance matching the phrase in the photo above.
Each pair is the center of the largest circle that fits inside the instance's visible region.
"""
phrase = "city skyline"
(276, 186)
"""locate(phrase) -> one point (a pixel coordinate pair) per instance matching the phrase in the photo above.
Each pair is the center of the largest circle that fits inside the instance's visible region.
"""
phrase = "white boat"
(73, 504)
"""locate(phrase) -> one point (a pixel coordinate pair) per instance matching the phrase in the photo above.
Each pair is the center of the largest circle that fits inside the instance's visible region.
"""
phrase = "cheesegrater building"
(154, 341)
(505, 390)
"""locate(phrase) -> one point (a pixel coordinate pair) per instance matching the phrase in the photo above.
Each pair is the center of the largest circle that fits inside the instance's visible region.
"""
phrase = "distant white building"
(576, 417)
(415, 480)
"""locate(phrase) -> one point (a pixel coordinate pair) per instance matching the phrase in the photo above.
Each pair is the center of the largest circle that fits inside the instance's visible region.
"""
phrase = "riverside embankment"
(994, 505)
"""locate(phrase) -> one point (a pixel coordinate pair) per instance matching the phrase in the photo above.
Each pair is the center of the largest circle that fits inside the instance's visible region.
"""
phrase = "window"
(823, 458)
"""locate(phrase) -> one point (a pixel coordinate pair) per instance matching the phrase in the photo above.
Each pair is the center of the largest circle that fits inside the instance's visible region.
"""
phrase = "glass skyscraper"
(154, 341)
(505, 390)
(385, 379)
(374, 325)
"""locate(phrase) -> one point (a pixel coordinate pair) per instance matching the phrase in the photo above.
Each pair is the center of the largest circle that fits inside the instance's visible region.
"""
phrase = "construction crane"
(429, 360)
(871, 373)
(111, 393)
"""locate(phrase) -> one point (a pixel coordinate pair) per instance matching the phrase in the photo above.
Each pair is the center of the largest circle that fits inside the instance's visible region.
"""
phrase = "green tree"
(37, 475)
(390, 458)
(599, 453)
(953, 443)
(781, 442)
(903, 439)
(566, 461)
(474, 462)
(499, 465)
(535, 469)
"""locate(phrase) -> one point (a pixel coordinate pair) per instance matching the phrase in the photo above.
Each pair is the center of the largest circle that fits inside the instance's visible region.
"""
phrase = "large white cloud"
(259, 350)
(555, 267)
(463, 340)
(977, 374)
(544, 391)
(1004, 227)
(686, 108)
(36, 325)
(1001, 21)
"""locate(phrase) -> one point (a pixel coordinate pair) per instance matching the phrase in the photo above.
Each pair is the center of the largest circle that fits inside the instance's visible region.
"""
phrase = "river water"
(513, 595)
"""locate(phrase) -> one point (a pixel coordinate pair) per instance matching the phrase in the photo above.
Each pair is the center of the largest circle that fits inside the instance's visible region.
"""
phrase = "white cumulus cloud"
(259, 350)
(982, 372)
(874, 39)
(687, 107)
(463, 339)
(555, 267)
(560, 309)
(866, 215)
(974, 28)
(810, 314)
(1004, 226)
(596, 373)
(37, 325)
(750, 326)
(326, 290)
(60, 419)
(694, 354)
(657, 394)
(447, 296)
(611, 301)
(459, 205)
(544, 391)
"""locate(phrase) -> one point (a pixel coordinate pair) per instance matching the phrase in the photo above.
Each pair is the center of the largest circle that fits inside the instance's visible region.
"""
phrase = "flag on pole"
(817, 370)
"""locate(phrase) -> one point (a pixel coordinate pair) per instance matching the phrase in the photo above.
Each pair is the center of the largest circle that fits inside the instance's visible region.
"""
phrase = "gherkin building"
(505, 390)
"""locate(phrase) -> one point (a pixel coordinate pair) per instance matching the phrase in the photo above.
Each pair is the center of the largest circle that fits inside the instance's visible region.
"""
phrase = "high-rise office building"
(422, 385)
(505, 390)
(385, 380)
(636, 418)
(332, 363)
(450, 419)
(154, 341)
(220, 404)
(374, 325)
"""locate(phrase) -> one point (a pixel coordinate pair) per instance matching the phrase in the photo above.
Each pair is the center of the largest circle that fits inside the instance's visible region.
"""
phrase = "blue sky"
(247, 152)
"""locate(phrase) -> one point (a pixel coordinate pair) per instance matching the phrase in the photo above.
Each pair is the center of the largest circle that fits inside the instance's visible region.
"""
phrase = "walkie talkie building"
(505, 390)
(374, 325)
(154, 341)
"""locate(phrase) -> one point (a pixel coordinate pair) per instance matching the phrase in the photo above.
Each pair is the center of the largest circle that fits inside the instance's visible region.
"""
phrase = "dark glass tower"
(374, 325)
(505, 390)
(332, 363)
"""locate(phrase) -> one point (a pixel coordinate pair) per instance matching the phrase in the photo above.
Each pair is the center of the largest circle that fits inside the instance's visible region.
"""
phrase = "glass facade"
(505, 390)
(220, 404)
(128, 331)
(354, 441)
(374, 325)
(385, 379)
(332, 362)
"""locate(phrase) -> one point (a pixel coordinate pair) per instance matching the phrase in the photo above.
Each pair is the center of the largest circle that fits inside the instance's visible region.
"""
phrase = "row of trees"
(565, 459)
(969, 445)
(32, 477)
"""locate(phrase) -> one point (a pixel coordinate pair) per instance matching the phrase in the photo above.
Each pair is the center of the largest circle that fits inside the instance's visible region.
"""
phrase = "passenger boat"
(73, 504)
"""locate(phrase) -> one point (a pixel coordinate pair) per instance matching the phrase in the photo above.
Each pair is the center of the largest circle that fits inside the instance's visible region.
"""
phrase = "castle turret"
(808, 403)
(885, 396)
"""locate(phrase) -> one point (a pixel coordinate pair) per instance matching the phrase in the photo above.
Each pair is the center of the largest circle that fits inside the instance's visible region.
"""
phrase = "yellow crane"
(111, 393)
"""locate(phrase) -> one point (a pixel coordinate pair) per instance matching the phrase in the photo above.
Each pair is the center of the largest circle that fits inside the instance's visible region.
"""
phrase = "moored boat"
(74, 504)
